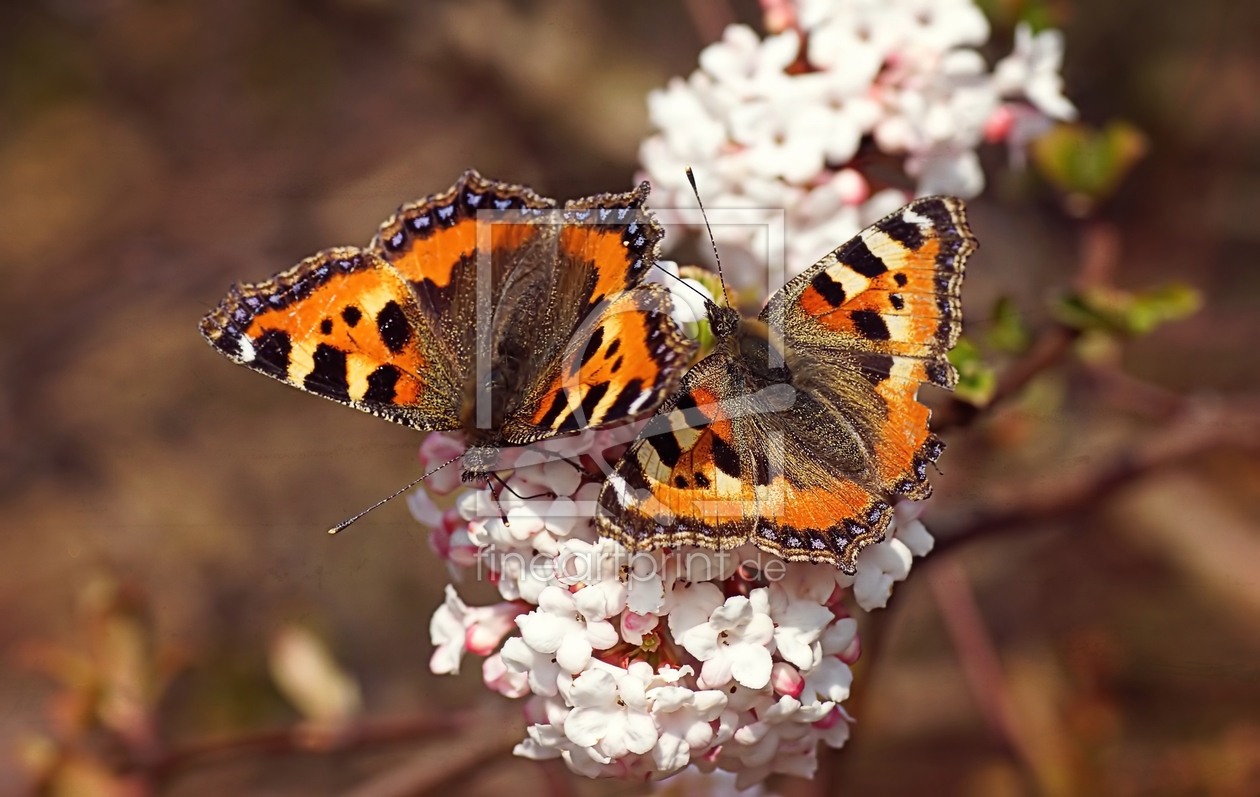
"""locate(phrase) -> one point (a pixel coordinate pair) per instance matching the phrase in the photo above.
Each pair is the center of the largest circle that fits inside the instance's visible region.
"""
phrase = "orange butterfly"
(485, 308)
(797, 431)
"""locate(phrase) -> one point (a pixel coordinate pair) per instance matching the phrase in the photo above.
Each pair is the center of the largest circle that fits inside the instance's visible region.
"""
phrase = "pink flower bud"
(786, 679)
(853, 652)
(440, 542)
(535, 710)
(829, 721)
(496, 676)
(634, 626)
(437, 449)
(462, 551)
(998, 126)
(851, 187)
(487, 625)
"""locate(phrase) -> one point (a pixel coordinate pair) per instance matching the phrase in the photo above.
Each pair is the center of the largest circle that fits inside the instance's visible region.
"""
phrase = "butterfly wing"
(872, 321)
(462, 252)
(484, 284)
(734, 460)
(344, 325)
(620, 353)
(860, 331)
(624, 366)
(681, 480)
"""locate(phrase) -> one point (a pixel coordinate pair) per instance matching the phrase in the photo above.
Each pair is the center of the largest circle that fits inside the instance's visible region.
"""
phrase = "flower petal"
(750, 665)
(574, 653)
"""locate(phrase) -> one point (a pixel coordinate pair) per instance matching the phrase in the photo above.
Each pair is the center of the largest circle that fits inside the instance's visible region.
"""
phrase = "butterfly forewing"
(885, 306)
(344, 325)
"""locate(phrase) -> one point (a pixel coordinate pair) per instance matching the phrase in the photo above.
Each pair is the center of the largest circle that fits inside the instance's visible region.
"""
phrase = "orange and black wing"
(620, 354)
(344, 325)
(726, 464)
(550, 297)
(622, 366)
(463, 251)
(683, 480)
(872, 321)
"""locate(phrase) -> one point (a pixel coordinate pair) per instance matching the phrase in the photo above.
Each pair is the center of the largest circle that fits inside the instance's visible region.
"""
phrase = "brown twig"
(709, 17)
(1048, 350)
(302, 739)
(1129, 393)
(1202, 429)
(977, 655)
(435, 770)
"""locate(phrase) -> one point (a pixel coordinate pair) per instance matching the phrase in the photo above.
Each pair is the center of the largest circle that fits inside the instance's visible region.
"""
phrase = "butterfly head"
(478, 461)
(723, 321)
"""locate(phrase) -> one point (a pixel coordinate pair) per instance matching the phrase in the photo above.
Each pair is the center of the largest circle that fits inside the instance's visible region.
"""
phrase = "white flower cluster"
(639, 665)
(777, 123)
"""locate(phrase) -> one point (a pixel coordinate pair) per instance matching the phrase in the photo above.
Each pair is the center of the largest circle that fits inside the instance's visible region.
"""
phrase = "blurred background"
(159, 501)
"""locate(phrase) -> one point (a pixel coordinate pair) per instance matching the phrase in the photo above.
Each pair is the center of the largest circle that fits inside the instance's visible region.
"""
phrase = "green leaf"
(1088, 310)
(1087, 165)
(1172, 302)
(1125, 313)
(1009, 333)
(977, 381)
(1039, 14)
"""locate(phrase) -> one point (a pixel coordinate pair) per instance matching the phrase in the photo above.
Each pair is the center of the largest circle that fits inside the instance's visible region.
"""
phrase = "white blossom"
(683, 718)
(767, 123)
(541, 671)
(498, 677)
(790, 639)
(1032, 71)
(456, 627)
(610, 714)
(733, 642)
(772, 743)
(798, 625)
(878, 567)
(559, 627)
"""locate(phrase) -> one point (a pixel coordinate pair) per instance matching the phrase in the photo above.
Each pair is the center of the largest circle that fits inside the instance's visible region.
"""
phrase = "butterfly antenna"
(343, 525)
(684, 282)
(691, 178)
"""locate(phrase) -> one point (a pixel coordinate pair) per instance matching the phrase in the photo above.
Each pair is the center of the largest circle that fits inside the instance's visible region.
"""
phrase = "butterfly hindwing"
(623, 354)
(886, 305)
(342, 324)
(623, 367)
(729, 462)
(681, 480)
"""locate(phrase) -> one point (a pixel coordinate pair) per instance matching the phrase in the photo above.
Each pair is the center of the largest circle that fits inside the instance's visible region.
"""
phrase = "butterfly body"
(486, 308)
(803, 424)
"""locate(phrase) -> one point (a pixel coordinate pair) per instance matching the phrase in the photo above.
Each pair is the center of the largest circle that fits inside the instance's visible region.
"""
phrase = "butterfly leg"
(504, 486)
